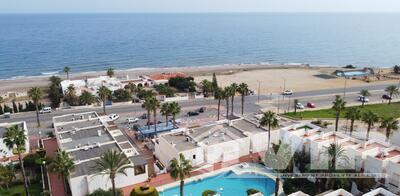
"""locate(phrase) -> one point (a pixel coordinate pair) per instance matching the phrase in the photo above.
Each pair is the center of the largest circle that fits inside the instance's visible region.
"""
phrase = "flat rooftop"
(74, 117)
(370, 146)
(247, 126)
(180, 141)
(91, 136)
(388, 155)
(4, 126)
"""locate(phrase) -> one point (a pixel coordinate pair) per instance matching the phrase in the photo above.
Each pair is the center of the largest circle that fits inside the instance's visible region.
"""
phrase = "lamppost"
(42, 168)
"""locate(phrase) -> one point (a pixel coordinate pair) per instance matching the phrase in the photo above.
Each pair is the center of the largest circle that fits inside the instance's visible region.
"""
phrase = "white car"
(363, 99)
(7, 115)
(287, 92)
(113, 117)
(299, 106)
(45, 110)
(132, 120)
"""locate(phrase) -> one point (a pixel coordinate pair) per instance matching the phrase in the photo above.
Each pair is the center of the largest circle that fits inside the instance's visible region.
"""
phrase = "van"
(45, 110)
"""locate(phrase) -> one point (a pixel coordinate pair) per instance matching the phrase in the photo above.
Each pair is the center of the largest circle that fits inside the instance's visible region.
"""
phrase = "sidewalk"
(56, 184)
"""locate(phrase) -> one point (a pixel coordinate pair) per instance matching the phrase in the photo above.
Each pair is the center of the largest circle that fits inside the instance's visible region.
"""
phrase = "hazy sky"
(7, 6)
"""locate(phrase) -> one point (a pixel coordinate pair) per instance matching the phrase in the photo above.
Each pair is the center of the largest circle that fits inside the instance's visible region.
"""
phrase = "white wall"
(259, 142)
(164, 151)
(393, 172)
(79, 186)
(199, 152)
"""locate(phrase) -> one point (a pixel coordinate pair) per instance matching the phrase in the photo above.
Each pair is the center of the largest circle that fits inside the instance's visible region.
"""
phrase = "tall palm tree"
(389, 123)
(218, 95)
(369, 118)
(66, 71)
(147, 105)
(112, 163)
(365, 93)
(226, 95)
(207, 87)
(63, 165)
(393, 91)
(15, 139)
(35, 94)
(353, 114)
(269, 119)
(175, 109)
(336, 152)
(104, 93)
(87, 98)
(232, 92)
(165, 110)
(180, 168)
(296, 101)
(243, 89)
(155, 106)
(338, 105)
(110, 72)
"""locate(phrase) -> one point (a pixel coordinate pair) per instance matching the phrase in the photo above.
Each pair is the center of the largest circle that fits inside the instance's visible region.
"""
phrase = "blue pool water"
(230, 183)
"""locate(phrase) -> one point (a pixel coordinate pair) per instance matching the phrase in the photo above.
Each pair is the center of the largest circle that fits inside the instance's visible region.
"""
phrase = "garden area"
(35, 188)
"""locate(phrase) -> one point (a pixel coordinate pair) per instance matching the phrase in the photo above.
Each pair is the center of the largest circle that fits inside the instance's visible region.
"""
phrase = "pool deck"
(164, 181)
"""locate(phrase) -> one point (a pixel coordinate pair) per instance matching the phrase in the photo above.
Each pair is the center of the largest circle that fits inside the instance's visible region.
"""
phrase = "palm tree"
(226, 95)
(66, 71)
(389, 123)
(131, 87)
(35, 94)
(369, 118)
(165, 110)
(207, 87)
(218, 95)
(63, 165)
(7, 174)
(104, 93)
(110, 72)
(269, 119)
(180, 168)
(112, 163)
(86, 98)
(335, 153)
(175, 109)
(392, 90)
(155, 105)
(296, 101)
(232, 92)
(365, 93)
(338, 105)
(147, 105)
(353, 114)
(15, 139)
(243, 89)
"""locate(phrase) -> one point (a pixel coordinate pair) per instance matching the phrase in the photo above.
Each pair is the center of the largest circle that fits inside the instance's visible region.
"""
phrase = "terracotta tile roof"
(166, 76)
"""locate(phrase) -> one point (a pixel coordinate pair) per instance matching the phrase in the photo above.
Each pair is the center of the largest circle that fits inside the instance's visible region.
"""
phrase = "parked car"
(193, 113)
(363, 99)
(311, 105)
(132, 120)
(7, 115)
(202, 109)
(143, 116)
(45, 110)
(287, 92)
(387, 97)
(113, 117)
(299, 106)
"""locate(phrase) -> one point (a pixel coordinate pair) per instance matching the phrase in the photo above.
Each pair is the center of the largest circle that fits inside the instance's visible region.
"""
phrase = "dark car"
(193, 113)
(202, 109)
(143, 116)
(311, 105)
(387, 97)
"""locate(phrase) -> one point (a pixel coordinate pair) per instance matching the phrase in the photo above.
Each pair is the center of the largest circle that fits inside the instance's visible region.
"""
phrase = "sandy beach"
(272, 78)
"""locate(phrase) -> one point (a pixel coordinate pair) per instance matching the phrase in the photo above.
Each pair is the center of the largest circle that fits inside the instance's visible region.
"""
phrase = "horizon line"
(213, 12)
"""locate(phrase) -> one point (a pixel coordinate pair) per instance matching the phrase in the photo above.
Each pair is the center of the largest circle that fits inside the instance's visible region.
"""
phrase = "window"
(194, 156)
(139, 169)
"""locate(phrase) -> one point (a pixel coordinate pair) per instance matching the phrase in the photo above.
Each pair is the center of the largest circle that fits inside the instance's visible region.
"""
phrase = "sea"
(42, 44)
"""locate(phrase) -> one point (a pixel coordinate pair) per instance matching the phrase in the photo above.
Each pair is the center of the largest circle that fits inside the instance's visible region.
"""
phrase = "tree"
(165, 110)
(214, 82)
(336, 153)
(392, 90)
(243, 89)
(55, 93)
(15, 140)
(15, 107)
(218, 95)
(389, 123)
(70, 96)
(226, 95)
(233, 89)
(110, 72)
(396, 69)
(87, 98)
(7, 175)
(148, 106)
(1, 99)
(144, 191)
(207, 87)
(296, 101)
(180, 168)
(175, 109)
(365, 93)
(338, 105)
(66, 71)
(63, 165)
(104, 94)
(35, 94)
(122, 95)
(369, 118)
(269, 119)
(131, 87)
(154, 107)
(112, 163)
(353, 114)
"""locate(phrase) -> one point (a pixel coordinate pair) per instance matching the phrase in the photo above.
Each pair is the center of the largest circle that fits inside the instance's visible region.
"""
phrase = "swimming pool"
(226, 184)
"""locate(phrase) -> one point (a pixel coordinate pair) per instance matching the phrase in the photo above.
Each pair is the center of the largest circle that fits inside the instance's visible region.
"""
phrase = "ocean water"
(37, 44)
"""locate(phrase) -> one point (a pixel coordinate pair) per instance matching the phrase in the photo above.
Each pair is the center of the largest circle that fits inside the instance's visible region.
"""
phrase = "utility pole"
(259, 91)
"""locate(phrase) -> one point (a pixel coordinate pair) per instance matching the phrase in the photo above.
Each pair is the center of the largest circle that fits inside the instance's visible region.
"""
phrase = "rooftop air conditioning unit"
(99, 133)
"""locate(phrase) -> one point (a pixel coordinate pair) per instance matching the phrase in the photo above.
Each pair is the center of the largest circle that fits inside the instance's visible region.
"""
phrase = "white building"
(219, 142)
(85, 137)
(6, 155)
(379, 191)
(92, 84)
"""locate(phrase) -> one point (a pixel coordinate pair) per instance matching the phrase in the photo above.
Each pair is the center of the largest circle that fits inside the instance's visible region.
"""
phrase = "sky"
(82, 6)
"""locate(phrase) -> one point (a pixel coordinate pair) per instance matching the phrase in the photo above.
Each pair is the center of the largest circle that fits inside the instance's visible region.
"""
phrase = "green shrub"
(144, 191)
(101, 192)
(252, 191)
(208, 193)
